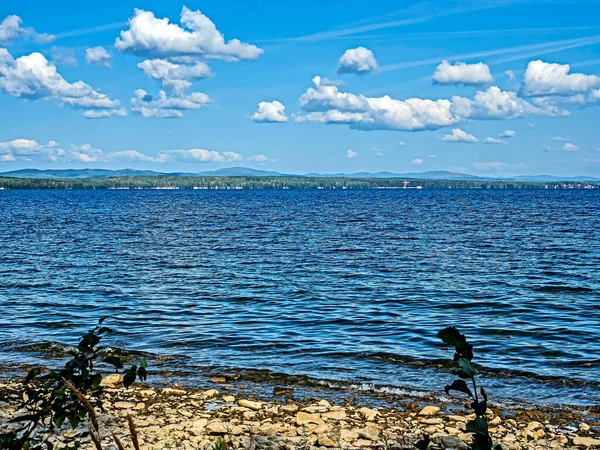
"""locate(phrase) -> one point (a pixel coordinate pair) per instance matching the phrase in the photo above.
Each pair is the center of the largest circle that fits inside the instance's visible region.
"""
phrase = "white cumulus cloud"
(34, 77)
(358, 60)
(462, 73)
(416, 162)
(197, 37)
(458, 135)
(11, 28)
(327, 104)
(508, 134)
(351, 154)
(258, 158)
(175, 77)
(569, 147)
(495, 141)
(98, 56)
(270, 112)
(542, 79)
(401, 143)
(165, 105)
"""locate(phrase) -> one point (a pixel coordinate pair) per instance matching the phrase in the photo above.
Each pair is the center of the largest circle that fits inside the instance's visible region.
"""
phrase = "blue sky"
(481, 87)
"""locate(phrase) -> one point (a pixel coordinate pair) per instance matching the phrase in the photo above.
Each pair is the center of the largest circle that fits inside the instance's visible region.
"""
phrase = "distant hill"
(248, 172)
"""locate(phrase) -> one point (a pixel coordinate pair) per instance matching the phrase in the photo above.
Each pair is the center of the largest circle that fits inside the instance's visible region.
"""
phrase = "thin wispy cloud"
(538, 48)
(91, 30)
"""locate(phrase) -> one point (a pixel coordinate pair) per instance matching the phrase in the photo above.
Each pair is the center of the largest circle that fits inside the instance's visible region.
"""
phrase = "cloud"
(99, 57)
(508, 134)
(416, 162)
(569, 147)
(197, 38)
(462, 73)
(401, 143)
(33, 77)
(560, 139)
(358, 60)
(175, 77)
(351, 154)
(270, 112)
(62, 56)
(542, 79)
(197, 155)
(104, 113)
(459, 135)
(31, 150)
(11, 29)
(327, 104)
(328, 82)
(258, 158)
(165, 105)
(491, 140)
(510, 75)
(432, 156)
(496, 166)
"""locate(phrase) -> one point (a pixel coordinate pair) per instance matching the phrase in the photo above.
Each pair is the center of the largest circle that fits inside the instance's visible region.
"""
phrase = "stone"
(279, 390)
(336, 414)
(211, 393)
(325, 404)
(368, 414)
(429, 411)
(229, 398)
(325, 441)
(292, 408)
(586, 442)
(223, 428)
(371, 432)
(219, 380)
(348, 435)
(303, 418)
(583, 426)
(170, 392)
(450, 442)
(112, 380)
(124, 405)
(255, 406)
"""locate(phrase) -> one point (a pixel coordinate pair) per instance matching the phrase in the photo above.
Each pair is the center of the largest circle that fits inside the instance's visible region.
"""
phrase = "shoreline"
(182, 417)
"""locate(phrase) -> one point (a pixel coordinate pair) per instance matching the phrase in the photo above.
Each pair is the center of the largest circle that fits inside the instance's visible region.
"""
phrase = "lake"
(345, 286)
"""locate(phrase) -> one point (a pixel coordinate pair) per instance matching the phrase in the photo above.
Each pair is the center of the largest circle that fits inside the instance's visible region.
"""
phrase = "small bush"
(463, 356)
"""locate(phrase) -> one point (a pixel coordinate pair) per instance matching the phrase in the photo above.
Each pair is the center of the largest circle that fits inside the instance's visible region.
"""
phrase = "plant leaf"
(460, 386)
(478, 425)
(466, 367)
(453, 337)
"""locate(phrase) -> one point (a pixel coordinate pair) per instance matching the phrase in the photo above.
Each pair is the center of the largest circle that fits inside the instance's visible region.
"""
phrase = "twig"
(133, 431)
(118, 442)
(94, 439)
(85, 402)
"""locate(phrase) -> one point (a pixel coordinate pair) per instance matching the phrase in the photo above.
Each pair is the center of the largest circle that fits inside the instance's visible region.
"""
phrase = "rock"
(429, 411)
(371, 432)
(170, 392)
(348, 435)
(147, 393)
(124, 405)
(219, 380)
(452, 431)
(368, 414)
(363, 443)
(255, 406)
(112, 380)
(449, 442)
(229, 398)
(325, 441)
(278, 390)
(586, 441)
(336, 414)
(292, 408)
(325, 404)
(583, 426)
(211, 393)
(495, 421)
(223, 428)
(303, 418)
(140, 406)
(534, 426)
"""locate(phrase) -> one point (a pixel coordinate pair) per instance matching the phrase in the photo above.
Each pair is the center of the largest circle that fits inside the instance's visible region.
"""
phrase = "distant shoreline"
(274, 183)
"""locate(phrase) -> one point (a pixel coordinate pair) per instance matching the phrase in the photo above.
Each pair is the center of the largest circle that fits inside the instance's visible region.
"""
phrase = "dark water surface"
(338, 285)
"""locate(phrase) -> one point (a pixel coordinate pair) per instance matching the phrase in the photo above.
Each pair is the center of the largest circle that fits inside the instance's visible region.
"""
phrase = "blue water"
(338, 285)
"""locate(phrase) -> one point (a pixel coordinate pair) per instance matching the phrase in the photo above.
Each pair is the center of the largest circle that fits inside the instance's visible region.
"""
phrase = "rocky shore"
(179, 418)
